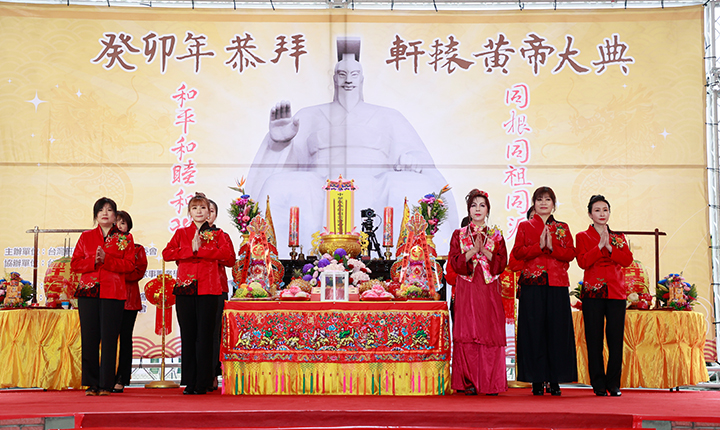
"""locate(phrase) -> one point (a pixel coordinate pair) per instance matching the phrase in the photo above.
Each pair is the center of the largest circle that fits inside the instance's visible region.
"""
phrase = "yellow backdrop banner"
(148, 106)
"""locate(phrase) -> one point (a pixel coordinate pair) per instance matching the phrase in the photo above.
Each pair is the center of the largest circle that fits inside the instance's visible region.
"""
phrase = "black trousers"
(196, 317)
(608, 314)
(218, 333)
(100, 321)
(545, 335)
(124, 369)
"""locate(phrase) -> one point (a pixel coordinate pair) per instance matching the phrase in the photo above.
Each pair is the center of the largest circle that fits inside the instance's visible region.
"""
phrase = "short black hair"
(100, 204)
(125, 217)
(213, 204)
(597, 198)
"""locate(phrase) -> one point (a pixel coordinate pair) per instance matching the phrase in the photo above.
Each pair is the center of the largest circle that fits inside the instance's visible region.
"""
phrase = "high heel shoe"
(538, 389)
(555, 389)
(471, 391)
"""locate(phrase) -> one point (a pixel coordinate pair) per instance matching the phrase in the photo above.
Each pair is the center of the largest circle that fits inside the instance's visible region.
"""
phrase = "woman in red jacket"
(545, 335)
(103, 256)
(198, 250)
(132, 306)
(602, 253)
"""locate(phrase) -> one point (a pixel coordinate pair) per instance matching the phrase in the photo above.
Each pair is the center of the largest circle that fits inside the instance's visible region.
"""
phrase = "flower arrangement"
(208, 235)
(242, 209)
(122, 242)
(577, 292)
(433, 209)
(338, 262)
(13, 281)
(673, 292)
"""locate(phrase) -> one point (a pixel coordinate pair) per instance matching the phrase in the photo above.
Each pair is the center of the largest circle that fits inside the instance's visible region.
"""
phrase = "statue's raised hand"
(282, 125)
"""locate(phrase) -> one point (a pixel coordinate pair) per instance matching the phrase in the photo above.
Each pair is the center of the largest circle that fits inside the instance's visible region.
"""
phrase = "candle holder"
(388, 252)
(301, 256)
(293, 252)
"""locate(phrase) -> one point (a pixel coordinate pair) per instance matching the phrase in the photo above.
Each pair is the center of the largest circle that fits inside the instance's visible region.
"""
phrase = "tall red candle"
(388, 227)
(294, 239)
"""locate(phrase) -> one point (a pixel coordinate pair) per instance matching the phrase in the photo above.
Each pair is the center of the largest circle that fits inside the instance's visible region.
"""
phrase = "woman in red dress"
(103, 255)
(545, 335)
(198, 250)
(602, 253)
(132, 306)
(478, 255)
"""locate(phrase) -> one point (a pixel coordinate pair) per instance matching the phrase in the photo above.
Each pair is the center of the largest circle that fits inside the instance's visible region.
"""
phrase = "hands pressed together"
(546, 239)
(196, 241)
(479, 241)
(99, 255)
(605, 240)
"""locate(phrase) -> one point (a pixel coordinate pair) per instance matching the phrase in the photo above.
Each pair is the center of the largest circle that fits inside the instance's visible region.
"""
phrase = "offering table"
(366, 348)
(663, 349)
(40, 348)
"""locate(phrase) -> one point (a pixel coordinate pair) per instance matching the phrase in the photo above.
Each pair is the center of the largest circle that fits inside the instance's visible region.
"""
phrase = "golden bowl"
(349, 242)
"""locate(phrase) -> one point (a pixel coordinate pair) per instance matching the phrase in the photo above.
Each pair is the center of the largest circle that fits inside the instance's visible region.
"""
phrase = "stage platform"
(577, 408)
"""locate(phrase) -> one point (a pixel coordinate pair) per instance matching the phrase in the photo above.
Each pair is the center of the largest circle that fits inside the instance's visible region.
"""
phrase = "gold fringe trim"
(395, 379)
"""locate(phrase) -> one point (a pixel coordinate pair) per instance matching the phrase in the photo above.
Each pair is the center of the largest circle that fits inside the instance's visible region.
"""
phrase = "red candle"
(294, 239)
(388, 227)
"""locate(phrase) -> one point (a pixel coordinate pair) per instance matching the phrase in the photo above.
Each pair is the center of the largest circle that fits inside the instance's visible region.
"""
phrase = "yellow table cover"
(40, 348)
(663, 349)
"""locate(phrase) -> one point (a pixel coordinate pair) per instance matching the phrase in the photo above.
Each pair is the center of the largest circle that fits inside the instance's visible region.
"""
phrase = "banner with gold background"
(148, 106)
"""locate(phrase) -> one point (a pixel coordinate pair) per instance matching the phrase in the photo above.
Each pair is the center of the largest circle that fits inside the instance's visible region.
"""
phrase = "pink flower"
(246, 218)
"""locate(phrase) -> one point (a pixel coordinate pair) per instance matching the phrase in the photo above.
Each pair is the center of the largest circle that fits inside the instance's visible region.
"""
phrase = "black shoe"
(538, 389)
(600, 393)
(118, 390)
(92, 391)
(200, 392)
(555, 389)
(615, 392)
(491, 394)
(471, 391)
(189, 390)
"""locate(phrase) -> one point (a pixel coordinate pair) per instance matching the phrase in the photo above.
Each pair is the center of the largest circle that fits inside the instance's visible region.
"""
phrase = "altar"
(346, 348)
(663, 349)
(40, 348)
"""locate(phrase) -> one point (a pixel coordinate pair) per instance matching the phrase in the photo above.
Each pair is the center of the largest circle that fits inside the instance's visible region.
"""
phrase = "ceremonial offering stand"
(366, 348)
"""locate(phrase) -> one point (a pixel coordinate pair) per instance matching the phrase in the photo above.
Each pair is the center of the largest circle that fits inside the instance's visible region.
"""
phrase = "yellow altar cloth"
(40, 348)
(663, 349)
(346, 348)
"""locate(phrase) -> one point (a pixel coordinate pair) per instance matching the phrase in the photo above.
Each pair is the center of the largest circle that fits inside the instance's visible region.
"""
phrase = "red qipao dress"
(479, 322)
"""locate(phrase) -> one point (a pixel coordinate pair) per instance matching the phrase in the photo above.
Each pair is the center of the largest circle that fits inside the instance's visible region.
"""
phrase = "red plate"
(293, 299)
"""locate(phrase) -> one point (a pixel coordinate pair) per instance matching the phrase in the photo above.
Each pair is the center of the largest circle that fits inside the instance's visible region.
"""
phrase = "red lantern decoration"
(636, 278)
(154, 294)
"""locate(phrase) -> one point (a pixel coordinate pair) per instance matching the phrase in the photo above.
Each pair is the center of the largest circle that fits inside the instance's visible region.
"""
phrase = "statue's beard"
(349, 99)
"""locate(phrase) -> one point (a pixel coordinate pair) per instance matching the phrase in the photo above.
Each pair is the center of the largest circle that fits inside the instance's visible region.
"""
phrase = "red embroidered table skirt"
(380, 348)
